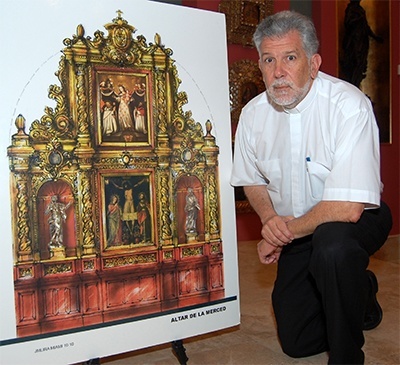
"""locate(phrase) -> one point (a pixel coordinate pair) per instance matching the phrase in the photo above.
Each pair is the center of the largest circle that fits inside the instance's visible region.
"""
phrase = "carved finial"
(20, 124)
(119, 12)
(208, 128)
(80, 31)
(157, 39)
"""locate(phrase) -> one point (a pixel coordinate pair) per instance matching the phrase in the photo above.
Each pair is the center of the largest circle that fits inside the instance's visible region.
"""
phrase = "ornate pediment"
(119, 46)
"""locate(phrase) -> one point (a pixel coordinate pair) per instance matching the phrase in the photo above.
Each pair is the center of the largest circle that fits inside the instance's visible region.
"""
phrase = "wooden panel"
(26, 301)
(60, 301)
(216, 276)
(192, 280)
(114, 293)
(91, 297)
(141, 289)
(169, 285)
(127, 291)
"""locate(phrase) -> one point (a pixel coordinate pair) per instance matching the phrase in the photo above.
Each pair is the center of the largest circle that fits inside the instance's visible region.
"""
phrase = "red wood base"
(56, 295)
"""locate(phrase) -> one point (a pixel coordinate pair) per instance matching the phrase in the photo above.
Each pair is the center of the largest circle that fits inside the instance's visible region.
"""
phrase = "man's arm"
(275, 231)
(278, 231)
(324, 212)
(260, 200)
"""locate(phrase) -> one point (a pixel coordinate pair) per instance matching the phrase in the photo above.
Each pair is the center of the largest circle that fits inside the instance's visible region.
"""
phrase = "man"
(307, 154)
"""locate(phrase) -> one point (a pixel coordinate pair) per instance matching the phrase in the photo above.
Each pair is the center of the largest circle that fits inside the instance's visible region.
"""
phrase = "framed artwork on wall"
(242, 18)
(245, 82)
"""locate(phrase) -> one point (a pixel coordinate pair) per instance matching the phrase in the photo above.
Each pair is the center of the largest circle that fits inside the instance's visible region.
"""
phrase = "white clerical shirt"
(326, 148)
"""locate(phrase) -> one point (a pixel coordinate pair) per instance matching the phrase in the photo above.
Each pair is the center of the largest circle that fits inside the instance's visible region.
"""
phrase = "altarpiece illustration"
(115, 191)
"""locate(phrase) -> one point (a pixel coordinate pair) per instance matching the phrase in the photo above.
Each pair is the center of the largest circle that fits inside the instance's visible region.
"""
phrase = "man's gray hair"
(281, 23)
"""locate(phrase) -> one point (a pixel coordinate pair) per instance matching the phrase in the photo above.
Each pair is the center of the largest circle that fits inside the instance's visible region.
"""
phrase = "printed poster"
(100, 240)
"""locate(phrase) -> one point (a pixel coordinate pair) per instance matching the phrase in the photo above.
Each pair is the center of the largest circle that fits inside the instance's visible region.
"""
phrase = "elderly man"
(307, 155)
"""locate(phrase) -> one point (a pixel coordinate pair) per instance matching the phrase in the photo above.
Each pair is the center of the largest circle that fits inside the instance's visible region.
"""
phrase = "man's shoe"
(373, 313)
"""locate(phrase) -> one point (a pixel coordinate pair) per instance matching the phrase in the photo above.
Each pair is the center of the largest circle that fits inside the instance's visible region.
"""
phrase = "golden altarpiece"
(115, 191)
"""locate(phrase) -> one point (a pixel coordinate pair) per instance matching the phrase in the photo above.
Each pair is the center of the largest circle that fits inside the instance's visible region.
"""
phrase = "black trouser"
(321, 288)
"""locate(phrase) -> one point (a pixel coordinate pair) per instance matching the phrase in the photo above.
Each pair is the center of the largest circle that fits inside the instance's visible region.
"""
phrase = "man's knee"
(336, 244)
(292, 351)
(291, 347)
(296, 347)
(330, 241)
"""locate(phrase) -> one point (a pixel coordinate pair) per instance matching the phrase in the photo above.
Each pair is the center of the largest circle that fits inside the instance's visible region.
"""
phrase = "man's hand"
(276, 232)
(275, 235)
(267, 253)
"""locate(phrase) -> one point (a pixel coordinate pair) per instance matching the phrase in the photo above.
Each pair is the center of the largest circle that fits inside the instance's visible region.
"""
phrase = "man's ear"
(315, 63)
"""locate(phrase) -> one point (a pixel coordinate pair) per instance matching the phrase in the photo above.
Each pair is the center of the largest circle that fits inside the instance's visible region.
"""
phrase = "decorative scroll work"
(117, 156)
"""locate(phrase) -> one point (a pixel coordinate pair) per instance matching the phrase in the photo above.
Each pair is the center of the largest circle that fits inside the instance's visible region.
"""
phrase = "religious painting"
(242, 18)
(128, 214)
(123, 107)
(364, 54)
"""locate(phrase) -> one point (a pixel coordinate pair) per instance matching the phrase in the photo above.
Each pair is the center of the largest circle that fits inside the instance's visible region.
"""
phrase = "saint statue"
(191, 209)
(57, 216)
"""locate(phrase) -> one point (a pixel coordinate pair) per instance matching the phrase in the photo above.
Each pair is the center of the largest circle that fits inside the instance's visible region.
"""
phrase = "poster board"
(28, 69)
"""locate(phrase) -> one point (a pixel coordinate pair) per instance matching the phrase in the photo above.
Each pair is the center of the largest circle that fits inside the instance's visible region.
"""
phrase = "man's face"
(287, 72)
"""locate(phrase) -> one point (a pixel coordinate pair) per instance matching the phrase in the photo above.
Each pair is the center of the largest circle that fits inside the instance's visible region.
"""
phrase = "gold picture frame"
(242, 18)
(129, 219)
(123, 113)
(245, 82)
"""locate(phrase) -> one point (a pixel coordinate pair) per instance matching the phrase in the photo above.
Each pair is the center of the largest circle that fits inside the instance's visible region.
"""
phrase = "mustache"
(280, 83)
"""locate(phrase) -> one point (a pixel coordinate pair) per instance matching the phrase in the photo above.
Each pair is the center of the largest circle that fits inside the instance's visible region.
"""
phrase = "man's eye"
(291, 58)
(268, 60)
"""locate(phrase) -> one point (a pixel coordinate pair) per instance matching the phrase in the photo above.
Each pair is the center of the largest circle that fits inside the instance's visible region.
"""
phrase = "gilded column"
(24, 243)
(19, 154)
(211, 152)
(88, 242)
(213, 207)
(84, 151)
(83, 126)
(165, 220)
(161, 104)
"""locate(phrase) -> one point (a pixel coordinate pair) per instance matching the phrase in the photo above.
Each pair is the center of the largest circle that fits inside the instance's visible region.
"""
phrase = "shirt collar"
(306, 102)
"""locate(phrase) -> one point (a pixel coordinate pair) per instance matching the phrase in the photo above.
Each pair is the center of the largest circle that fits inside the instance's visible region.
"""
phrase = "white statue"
(58, 215)
(191, 208)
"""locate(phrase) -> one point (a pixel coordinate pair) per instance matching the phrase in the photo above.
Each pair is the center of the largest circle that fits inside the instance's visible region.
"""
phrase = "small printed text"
(54, 347)
(201, 313)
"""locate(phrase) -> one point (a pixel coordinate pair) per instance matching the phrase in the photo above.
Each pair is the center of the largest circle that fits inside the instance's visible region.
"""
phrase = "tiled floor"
(255, 342)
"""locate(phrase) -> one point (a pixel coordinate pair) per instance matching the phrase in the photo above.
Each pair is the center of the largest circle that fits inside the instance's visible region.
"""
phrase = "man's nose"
(280, 70)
